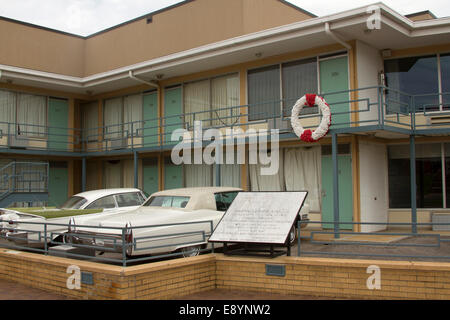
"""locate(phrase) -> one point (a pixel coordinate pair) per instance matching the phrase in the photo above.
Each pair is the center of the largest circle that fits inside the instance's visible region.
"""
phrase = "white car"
(177, 220)
(28, 228)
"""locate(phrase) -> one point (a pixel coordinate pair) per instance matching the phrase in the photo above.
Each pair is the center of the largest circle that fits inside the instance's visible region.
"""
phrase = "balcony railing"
(358, 110)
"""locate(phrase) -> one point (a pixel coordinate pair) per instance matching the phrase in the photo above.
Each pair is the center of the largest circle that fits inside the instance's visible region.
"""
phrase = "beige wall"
(183, 27)
(39, 49)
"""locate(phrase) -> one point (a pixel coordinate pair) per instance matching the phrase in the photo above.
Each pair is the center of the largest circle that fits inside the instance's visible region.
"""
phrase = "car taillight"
(129, 238)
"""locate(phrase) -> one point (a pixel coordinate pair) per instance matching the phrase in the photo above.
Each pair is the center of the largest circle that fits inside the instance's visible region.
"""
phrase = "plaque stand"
(258, 250)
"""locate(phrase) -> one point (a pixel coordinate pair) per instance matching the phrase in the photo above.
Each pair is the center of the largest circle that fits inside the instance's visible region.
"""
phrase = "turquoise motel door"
(334, 78)
(150, 175)
(173, 175)
(150, 113)
(172, 112)
(58, 177)
(345, 191)
(58, 122)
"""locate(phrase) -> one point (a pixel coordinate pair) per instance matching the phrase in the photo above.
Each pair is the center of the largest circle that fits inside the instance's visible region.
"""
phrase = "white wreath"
(308, 135)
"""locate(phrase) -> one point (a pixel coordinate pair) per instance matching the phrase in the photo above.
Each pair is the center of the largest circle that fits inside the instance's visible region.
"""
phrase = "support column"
(83, 174)
(334, 153)
(218, 163)
(412, 164)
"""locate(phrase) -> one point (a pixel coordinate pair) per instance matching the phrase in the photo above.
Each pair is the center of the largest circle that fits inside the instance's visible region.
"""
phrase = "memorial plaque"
(259, 217)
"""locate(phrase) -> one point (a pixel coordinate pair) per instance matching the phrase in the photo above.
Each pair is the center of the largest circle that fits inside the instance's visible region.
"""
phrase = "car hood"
(143, 216)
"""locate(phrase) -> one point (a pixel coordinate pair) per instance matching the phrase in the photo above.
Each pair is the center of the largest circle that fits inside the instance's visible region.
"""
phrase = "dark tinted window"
(224, 200)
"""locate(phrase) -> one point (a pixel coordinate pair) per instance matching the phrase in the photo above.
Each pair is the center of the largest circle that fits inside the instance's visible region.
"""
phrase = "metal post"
(124, 249)
(218, 157)
(334, 153)
(136, 169)
(412, 164)
(83, 174)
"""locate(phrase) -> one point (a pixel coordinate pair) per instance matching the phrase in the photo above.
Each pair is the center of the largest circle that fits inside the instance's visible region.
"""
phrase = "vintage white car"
(27, 228)
(177, 220)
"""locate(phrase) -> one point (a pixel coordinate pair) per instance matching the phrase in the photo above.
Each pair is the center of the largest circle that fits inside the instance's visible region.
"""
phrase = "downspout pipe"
(132, 76)
(335, 36)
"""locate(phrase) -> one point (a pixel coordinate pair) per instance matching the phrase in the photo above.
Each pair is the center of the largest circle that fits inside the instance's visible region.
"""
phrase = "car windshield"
(74, 202)
(167, 201)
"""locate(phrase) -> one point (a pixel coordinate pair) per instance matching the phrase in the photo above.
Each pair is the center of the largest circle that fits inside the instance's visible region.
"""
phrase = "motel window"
(445, 79)
(122, 116)
(275, 88)
(417, 76)
(210, 100)
(27, 111)
(429, 177)
(89, 121)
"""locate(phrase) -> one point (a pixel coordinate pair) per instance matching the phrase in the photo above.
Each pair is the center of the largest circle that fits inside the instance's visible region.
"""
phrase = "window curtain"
(198, 175)
(32, 115)
(112, 118)
(89, 121)
(7, 111)
(197, 99)
(299, 78)
(265, 182)
(112, 176)
(132, 113)
(91, 176)
(230, 175)
(303, 168)
(225, 94)
(128, 173)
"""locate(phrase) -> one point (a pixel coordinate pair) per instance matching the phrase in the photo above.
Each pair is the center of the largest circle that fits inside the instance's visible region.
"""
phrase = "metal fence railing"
(117, 245)
(391, 241)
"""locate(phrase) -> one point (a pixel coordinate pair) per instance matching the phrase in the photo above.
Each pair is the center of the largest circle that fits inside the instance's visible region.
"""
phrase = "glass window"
(31, 115)
(299, 78)
(264, 93)
(224, 200)
(103, 203)
(129, 199)
(445, 79)
(413, 76)
(73, 203)
(168, 201)
(89, 121)
(428, 176)
(132, 115)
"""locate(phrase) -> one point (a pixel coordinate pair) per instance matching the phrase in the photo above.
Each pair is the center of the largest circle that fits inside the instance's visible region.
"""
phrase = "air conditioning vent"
(439, 120)
(440, 218)
(18, 142)
(118, 144)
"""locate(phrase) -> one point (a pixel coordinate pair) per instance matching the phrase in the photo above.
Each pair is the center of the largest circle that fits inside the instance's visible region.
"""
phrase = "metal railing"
(111, 244)
(23, 177)
(362, 109)
(391, 241)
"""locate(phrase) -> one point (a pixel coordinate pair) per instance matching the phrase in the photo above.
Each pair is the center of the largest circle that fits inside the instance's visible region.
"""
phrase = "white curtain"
(132, 113)
(198, 175)
(112, 176)
(303, 172)
(225, 94)
(7, 111)
(112, 115)
(267, 182)
(230, 175)
(197, 99)
(32, 115)
(89, 121)
(128, 173)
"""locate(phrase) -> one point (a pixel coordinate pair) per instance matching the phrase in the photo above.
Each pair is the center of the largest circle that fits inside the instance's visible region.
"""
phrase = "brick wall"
(326, 277)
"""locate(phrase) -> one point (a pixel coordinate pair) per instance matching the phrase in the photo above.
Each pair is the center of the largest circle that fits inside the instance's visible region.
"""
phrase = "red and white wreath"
(307, 135)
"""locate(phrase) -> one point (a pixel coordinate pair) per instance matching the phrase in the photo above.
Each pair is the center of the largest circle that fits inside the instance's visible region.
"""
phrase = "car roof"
(194, 191)
(95, 194)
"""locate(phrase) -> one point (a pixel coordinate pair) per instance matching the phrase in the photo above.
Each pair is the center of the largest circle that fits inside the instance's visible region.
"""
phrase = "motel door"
(150, 113)
(151, 176)
(58, 177)
(334, 78)
(172, 112)
(58, 119)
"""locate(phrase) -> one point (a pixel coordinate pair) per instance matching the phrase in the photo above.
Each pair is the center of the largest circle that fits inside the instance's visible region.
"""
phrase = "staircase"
(23, 182)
